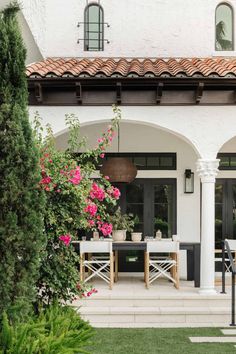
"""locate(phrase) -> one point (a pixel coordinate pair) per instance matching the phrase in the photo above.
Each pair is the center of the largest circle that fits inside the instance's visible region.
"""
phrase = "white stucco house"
(171, 67)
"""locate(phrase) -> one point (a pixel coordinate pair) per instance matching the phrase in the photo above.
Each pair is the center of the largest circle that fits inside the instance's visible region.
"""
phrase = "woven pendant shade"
(119, 169)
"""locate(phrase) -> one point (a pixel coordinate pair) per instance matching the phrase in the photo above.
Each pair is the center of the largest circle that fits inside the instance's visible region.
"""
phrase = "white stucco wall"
(151, 28)
(34, 40)
(206, 129)
(34, 12)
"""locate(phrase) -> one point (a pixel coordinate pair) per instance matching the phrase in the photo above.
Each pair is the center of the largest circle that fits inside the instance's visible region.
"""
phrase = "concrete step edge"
(153, 311)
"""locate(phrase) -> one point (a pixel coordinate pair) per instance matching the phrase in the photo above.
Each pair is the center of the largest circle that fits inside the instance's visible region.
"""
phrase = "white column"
(207, 170)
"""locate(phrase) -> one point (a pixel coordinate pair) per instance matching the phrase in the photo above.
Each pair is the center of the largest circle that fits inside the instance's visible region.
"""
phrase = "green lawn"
(155, 340)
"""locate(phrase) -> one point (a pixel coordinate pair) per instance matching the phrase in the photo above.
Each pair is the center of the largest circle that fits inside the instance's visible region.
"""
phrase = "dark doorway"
(225, 210)
(153, 201)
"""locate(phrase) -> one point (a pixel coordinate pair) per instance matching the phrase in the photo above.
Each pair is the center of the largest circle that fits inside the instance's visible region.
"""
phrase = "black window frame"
(232, 15)
(158, 155)
(228, 155)
(100, 23)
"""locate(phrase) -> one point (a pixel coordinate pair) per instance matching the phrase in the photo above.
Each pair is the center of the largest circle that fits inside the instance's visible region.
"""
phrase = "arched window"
(224, 27)
(93, 28)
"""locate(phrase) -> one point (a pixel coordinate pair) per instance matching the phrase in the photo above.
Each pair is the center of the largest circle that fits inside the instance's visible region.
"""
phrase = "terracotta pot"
(136, 236)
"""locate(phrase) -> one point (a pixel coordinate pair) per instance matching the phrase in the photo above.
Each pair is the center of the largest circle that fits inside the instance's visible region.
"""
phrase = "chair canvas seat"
(162, 266)
(99, 263)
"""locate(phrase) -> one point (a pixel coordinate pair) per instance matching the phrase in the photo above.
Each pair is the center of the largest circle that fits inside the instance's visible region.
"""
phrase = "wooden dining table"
(192, 249)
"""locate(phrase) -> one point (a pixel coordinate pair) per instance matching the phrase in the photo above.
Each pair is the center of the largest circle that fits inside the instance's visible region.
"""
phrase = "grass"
(155, 341)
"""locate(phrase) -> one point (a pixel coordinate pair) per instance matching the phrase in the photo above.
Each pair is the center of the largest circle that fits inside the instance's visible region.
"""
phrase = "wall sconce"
(189, 181)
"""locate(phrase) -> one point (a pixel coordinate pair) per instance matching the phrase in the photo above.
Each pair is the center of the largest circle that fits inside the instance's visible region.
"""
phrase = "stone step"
(154, 301)
(155, 315)
(159, 325)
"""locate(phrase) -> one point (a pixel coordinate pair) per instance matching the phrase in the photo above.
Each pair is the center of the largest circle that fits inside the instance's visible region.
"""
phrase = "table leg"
(89, 259)
(81, 263)
(147, 269)
(197, 260)
(116, 266)
(111, 270)
(144, 267)
(176, 270)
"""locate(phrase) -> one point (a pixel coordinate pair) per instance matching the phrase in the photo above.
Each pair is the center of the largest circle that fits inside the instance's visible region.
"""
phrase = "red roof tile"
(110, 67)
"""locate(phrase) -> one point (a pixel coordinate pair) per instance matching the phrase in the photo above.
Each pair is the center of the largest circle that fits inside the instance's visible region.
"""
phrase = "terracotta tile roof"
(110, 67)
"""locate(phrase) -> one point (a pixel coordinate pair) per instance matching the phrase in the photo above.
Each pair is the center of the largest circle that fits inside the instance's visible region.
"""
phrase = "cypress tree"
(21, 202)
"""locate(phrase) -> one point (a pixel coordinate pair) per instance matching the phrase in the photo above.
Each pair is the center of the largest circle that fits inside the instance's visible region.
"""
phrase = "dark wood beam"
(199, 92)
(38, 92)
(159, 92)
(118, 92)
(78, 92)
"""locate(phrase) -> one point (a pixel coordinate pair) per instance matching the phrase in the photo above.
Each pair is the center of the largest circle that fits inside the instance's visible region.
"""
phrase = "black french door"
(225, 210)
(153, 202)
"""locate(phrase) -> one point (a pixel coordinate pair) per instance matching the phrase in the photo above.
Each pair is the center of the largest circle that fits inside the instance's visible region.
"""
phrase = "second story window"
(224, 27)
(93, 28)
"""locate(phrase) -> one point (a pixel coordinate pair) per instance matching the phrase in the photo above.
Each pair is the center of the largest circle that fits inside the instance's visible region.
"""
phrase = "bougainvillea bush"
(74, 200)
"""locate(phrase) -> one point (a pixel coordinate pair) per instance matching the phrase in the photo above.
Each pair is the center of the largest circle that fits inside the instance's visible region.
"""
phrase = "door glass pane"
(218, 215)
(163, 209)
(135, 204)
(134, 193)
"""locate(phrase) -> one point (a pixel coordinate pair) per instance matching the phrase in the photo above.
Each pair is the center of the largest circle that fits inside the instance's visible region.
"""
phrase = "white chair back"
(232, 244)
(95, 247)
(162, 247)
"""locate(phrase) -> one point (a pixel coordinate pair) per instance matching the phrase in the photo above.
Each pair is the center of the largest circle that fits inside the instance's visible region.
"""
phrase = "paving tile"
(213, 339)
(229, 331)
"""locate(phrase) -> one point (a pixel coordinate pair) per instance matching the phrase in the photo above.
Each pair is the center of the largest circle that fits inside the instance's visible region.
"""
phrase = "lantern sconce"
(188, 181)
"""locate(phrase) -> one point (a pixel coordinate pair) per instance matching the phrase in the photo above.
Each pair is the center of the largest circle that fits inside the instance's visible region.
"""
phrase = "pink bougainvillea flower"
(76, 176)
(65, 239)
(105, 228)
(102, 156)
(107, 177)
(91, 209)
(91, 223)
(45, 180)
(116, 193)
(92, 291)
(97, 192)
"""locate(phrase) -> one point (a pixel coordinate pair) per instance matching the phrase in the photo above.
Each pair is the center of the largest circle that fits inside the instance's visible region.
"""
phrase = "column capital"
(207, 170)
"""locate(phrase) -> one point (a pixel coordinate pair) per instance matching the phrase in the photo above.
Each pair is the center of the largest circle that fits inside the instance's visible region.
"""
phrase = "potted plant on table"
(121, 224)
(136, 236)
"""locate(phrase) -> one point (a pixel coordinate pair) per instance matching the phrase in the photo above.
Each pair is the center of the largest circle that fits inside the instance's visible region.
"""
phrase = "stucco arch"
(134, 123)
(229, 145)
(205, 129)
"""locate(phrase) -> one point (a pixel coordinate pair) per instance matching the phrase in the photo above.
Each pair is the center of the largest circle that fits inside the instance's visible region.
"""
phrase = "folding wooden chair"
(100, 262)
(157, 266)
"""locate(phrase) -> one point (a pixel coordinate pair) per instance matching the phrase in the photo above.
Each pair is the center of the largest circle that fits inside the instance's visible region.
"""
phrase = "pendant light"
(119, 169)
